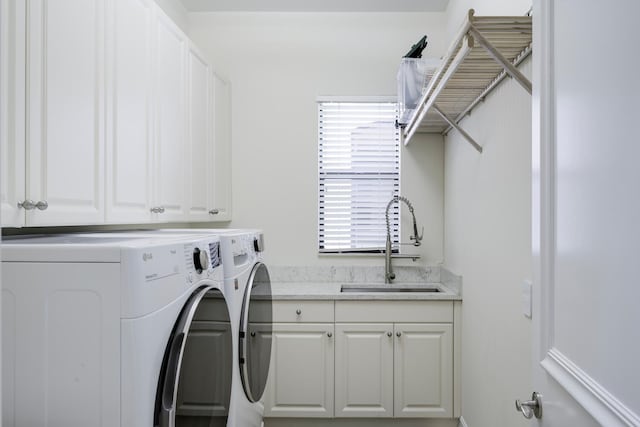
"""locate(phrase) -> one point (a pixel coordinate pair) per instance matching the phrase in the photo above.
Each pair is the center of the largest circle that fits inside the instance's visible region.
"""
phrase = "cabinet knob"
(253, 334)
(157, 209)
(298, 312)
(214, 211)
(27, 205)
(329, 334)
(389, 334)
(398, 334)
(42, 205)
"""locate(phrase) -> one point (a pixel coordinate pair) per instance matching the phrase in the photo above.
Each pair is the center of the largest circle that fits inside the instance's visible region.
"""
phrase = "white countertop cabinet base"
(404, 365)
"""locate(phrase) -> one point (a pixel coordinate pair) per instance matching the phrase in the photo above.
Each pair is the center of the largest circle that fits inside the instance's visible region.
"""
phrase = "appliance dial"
(200, 260)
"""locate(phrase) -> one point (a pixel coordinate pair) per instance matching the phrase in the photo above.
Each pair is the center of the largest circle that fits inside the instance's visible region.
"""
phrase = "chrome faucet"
(389, 275)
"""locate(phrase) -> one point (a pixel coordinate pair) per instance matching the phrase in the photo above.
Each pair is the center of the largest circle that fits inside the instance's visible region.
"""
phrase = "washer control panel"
(202, 260)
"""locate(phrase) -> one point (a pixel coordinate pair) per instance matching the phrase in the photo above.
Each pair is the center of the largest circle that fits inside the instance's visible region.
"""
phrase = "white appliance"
(115, 331)
(248, 286)
(248, 291)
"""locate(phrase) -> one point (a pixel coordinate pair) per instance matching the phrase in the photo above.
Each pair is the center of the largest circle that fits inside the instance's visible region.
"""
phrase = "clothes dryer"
(248, 291)
(115, 331)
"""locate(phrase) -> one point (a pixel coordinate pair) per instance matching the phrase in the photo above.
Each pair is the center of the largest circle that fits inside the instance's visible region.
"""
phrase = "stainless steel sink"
(389, 288)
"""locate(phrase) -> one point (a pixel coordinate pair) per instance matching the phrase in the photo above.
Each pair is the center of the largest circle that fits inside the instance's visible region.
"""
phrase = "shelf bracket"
(500, 59)
(454, 125)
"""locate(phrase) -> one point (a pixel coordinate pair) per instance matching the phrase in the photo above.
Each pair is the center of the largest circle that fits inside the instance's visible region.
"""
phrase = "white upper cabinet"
(200, 136)
(12, 107)
(129, 111)
(170, 177)
(113, 119)
(221, 173)
(65, 107)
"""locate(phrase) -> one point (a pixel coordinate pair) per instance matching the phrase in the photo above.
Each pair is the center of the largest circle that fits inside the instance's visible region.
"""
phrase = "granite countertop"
(331, 291)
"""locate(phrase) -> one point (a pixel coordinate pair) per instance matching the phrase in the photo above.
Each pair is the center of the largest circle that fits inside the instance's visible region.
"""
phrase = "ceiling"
(316, 6)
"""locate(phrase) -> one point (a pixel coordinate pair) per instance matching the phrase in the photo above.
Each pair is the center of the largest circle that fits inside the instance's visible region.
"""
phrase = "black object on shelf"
(416, 49)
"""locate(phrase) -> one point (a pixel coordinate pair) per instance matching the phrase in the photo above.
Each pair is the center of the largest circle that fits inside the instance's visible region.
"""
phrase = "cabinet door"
(301, 377)
(170, 121)
(222, 150)
(423, 380)
(200, 138)
(65, 105)
(12, 107)
(364, 370)
(129, 138)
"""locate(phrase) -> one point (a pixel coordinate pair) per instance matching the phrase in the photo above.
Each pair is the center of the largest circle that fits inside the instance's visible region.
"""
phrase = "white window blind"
(359, 172)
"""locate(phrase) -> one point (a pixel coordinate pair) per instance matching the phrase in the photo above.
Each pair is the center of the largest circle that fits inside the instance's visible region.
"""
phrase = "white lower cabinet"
(301, 374)
(423, 370)
(391, 359)
(364, 370)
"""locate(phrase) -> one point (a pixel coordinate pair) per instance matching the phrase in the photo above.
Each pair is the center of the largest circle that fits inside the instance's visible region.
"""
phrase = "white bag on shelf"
(413, 76)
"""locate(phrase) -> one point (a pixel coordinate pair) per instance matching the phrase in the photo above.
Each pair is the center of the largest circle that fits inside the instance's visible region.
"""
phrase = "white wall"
(457, 10)
(279, 63)
(488, 240)
(176, 11)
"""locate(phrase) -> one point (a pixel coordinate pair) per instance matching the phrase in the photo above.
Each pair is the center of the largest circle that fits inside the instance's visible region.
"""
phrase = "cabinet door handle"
(42, 205)
(389, 334)
(298, 312)
(253, 334)
(398, 334)
(329, 334)
(214, 211)
(157, 209)
(27, 205)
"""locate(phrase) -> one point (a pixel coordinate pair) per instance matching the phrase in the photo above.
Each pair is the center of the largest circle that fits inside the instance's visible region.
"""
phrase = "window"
(359, 172)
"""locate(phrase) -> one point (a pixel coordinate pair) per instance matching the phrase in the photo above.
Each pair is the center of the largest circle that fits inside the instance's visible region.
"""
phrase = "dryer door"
(256, 325)
(195, 383)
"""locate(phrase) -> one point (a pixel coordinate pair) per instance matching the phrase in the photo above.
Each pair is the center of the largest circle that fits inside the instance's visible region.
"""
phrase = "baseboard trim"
(462, 422)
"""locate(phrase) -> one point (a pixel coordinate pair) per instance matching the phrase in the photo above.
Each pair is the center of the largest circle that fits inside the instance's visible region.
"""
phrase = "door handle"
(531, 407)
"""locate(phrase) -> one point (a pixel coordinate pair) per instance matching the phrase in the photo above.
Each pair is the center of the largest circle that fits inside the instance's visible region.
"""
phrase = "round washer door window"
(256, 325)
(195, 388)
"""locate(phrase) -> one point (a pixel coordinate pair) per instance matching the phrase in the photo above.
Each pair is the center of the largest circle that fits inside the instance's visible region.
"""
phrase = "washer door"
(256, 324)
(195, 383)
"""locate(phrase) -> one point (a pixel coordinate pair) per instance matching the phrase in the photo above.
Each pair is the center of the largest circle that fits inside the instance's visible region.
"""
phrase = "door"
(170, 121)
(586, 210)
(201, 168)
(129, 111)
(222, 150)
(301, 376)
(12, 105)
(423, 370)
(256, 324)
(195, 387)
(65, 109)
(364, 370)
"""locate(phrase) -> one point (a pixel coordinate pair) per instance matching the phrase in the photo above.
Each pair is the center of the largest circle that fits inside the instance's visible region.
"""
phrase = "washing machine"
(248, 291)
(115, 331)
